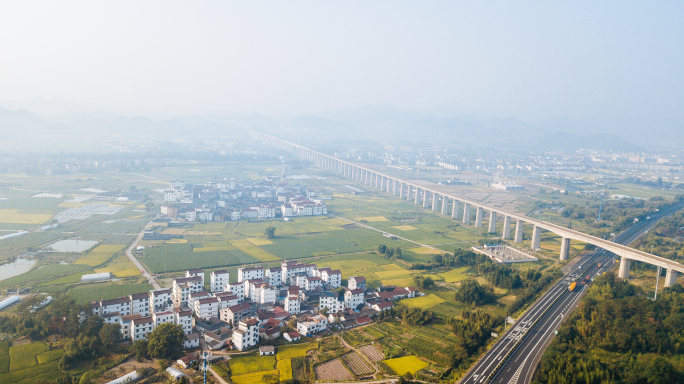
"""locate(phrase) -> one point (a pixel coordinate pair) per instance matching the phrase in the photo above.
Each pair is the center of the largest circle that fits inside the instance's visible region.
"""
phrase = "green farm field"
(30, 362)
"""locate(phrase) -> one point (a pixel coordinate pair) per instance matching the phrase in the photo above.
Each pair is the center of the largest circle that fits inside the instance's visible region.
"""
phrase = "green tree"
(471, 292)
(166, 341)
(269, 232)
(110, 334)
(139, 349)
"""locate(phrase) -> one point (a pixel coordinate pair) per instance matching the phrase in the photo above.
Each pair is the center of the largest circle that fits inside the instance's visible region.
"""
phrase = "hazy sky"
(530, 60)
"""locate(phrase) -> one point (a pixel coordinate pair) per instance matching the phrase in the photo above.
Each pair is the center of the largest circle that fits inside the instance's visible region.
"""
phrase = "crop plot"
(249, 248)
(423, 302)
(406, 364)
(357, 364)
(333, 370)
(372, 353)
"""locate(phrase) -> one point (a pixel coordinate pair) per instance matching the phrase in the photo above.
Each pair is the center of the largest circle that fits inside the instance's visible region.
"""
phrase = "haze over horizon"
(611, 67)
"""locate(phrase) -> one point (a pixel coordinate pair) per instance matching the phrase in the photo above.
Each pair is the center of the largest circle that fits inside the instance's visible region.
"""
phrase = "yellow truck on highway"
(572, 286)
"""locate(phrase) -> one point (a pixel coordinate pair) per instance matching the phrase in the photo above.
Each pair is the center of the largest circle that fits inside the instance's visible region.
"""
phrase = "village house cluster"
(240, 314)
(235, 201)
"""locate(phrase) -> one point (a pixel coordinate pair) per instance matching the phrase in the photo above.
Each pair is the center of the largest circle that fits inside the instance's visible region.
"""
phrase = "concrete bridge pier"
(394, 187)
(506, 233)
(670, 278)
(466, 213)
(492, 222)
(426, 197)
(478, 217)
(445, 205)
(519, 231)
(454, 210)
(435, 198)
(377, 180)
(417, 195)
(623, 273)
(408, 192)
(536, 237)
(565, 249)
(389, 184)
(401, 191)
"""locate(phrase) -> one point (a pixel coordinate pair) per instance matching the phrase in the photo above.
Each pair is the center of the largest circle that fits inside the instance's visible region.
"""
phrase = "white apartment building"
(293, 304)
(160, 300)
(218, 280)
(207, 307)
(236, 215)
(177, 184)
(331, 301)
(236, 313)
(122, 306)
(247, 334)
(112, 318)
(192, 341)
(251, 287)
(126, 323)
(170, 196)
(274, 276)
(357, 282)
(300, 280)
(196, 296)
(195, 272)
(184, 319)
(250, 273)
(312, 282)
(227, 299)
(163, 317)
(141, 328)
(286, 210)
(333, 278)
(290, 269)
(353, 298)
(140, 303)
(238, 289)
(184, 286)
(267, 294)
(314, 325)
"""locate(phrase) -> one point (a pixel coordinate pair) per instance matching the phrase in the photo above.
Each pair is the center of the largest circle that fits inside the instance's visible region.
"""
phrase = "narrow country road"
(378, 230)
(138, 264)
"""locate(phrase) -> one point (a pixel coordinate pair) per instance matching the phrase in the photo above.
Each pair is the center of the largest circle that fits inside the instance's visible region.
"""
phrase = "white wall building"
(293, 304)
(218, 280)
(314, 325)
(250, 273)
(331, 301)
(247, 334)
(353, 298)
(207, 307)
(238, 289)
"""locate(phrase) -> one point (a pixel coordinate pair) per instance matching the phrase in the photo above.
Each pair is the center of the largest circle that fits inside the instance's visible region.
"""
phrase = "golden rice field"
(67, 204)
(209, 249)
(372, 219)
(259, 241)
(425, 250)
(405, 227)
(423, 302)
(99, 255)
(15, 217)
(254, 251)
(406, 364)
(121, 266)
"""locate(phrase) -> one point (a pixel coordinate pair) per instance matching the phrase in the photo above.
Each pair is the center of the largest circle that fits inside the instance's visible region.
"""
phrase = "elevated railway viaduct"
(450, 204)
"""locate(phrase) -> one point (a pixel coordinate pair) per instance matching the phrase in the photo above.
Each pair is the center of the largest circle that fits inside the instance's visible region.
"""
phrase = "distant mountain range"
(22, 130)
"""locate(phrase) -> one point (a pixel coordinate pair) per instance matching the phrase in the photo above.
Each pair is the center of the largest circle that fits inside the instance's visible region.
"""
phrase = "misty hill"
(24, 131)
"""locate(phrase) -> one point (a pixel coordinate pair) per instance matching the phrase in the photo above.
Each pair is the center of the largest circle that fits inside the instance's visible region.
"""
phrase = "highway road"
(514, 357)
